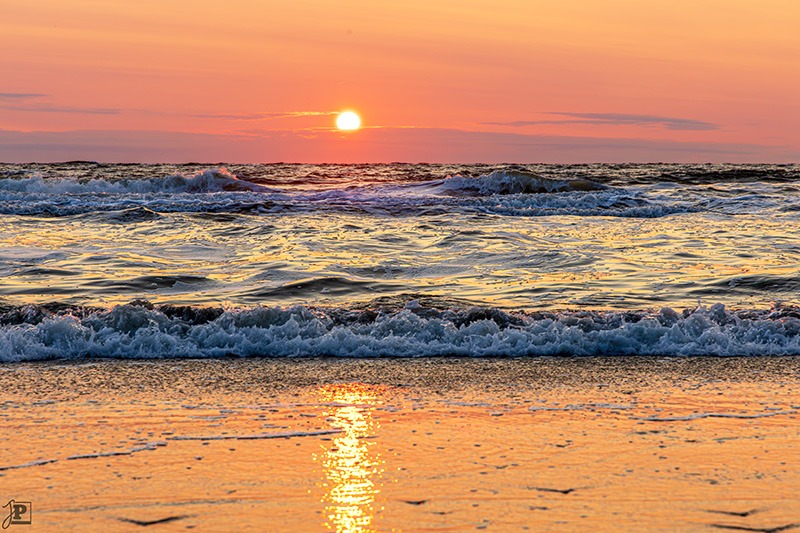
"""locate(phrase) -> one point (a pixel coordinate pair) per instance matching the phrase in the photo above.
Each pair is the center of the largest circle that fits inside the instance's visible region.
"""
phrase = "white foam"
(698, 416)
(137, 332)
(259, 436)
(513, 182)
(26, 465)
(208, 181)
(508, 193)
(150, 446)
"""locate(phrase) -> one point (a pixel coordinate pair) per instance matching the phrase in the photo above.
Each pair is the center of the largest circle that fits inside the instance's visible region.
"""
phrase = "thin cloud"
(265, 116)
(16, 102)
(615, 119)
(20, 96)
(47, 108)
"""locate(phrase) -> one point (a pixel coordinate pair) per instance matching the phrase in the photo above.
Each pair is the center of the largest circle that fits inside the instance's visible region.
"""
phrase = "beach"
(400, 347)
(415, 266)
(433, 444)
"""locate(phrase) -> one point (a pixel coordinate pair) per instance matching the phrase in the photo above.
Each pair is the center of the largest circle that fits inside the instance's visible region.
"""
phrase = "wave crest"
(208, 181)
(140, 330)
(512, 182)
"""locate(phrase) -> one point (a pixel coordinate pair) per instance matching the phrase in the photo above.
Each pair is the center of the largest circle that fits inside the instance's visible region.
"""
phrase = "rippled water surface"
(621, 237)
(537, 238)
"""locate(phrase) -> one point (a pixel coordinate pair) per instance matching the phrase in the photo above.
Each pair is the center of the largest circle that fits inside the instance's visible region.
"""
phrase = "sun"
(348, 121)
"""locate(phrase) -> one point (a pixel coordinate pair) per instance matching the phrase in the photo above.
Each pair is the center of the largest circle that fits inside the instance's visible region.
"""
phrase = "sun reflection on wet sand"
(351, 466)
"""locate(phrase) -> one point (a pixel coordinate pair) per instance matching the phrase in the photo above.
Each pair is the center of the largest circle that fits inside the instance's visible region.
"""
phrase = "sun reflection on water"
(351, 466)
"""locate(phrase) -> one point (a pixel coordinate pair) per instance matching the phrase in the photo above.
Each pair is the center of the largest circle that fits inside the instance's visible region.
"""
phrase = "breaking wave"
(509, 192)
(512, 182)
(209, 181)
(140, 330)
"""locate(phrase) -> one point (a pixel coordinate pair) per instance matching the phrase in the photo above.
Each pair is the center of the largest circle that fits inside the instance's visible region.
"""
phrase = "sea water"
(115, 260)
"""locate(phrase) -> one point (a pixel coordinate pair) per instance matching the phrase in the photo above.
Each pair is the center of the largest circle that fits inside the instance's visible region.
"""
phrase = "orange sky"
(434, 80)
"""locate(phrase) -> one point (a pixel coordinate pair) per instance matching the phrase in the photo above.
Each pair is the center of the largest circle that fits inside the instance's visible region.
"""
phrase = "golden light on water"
(351, 466)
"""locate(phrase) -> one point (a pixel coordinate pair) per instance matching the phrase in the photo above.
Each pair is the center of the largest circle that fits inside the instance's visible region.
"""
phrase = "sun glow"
(348, 121)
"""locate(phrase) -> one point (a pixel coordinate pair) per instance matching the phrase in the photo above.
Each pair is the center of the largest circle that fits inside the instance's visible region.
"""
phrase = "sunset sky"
(433, 80)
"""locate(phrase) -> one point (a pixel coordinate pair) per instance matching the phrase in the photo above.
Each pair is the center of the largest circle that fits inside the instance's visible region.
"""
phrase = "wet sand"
(555, 444)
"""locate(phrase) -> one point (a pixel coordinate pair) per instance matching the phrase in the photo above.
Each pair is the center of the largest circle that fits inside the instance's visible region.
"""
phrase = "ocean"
(398, 260)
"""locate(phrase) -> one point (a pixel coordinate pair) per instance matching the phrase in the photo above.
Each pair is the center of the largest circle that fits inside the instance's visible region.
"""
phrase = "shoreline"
(310, 371)
(579, 444)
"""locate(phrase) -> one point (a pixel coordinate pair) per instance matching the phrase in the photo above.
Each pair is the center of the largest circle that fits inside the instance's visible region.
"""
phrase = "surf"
(141, 330)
